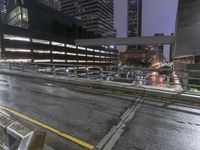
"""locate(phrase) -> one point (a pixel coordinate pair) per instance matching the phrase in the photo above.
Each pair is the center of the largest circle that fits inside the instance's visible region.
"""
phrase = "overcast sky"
(158, 17)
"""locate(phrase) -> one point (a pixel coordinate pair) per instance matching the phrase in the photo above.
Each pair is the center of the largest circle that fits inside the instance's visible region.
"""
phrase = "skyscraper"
(2, 10)
(51, 3)
(95, 15)
(134, 18)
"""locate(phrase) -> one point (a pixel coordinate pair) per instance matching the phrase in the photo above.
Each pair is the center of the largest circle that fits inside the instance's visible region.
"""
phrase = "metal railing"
(178, 80)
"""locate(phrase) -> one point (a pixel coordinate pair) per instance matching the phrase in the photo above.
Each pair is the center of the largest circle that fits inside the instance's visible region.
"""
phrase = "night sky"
(158, 17)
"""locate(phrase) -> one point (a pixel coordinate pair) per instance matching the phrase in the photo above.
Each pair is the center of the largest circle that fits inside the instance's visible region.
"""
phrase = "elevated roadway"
(92, 116)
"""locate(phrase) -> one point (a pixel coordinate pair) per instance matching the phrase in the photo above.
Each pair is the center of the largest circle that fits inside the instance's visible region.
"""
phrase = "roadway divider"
(16, 136)
(35, 139)
(155, 94)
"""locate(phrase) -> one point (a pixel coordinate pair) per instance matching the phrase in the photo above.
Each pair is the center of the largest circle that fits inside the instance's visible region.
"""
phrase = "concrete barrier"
(16, 136)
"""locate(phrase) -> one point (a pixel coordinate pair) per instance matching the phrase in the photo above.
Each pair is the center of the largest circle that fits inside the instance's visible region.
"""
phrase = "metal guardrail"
(15, 136)
(137, 76)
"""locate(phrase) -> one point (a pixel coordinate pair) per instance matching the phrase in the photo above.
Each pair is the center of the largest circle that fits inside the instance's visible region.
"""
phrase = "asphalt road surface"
(89, 115)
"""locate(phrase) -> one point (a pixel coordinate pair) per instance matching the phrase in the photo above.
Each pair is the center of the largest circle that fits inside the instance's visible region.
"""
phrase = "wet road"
(162, 127)
(85, 115)
(89, 115)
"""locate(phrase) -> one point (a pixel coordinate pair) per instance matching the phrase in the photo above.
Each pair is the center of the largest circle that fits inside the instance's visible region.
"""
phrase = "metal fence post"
(22, 67)
(127, 75)
(10, 66)
(54, 70)
(118, 72)
(101, 74)
(87, 72)
(75, 72)
(185, 81)
(36, 67)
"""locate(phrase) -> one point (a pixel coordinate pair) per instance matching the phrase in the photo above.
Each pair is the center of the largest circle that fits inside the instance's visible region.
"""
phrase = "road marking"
(64, 135)
(109, 140)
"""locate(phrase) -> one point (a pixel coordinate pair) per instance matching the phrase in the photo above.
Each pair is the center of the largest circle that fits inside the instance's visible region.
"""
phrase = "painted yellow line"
(66, 136)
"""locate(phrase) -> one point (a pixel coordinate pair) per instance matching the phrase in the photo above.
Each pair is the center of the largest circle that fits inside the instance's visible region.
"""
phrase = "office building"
(95, 15)
(55, 4)
(2, 10)
(31, 14)
(134, 18)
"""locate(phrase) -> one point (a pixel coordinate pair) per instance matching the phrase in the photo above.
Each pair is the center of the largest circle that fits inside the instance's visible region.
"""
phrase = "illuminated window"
(71, 46)
(41, 51)
(19, 60)
(81, 61)
(40, 41)
(42, 60)
(89, 49)
(71, 60)
(71, 54)
(57, 60)
(58, 44)
(16, 38)
(97, 50)
(56, 52)
(18, 17)
(89, 55)
(81, 54)
(81, 48)
(17, 50)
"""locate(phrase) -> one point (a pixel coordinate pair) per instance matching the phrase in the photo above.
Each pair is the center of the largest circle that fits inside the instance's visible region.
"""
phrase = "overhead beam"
(146, 40)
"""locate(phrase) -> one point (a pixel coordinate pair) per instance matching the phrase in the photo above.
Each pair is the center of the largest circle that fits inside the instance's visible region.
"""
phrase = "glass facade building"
(95, 15)
(18, 17)
(134, 18)
(55, 4)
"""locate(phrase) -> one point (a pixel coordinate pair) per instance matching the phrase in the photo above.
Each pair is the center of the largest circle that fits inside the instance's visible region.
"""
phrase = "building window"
(41, 41)
(18, 17)
(16, 38)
